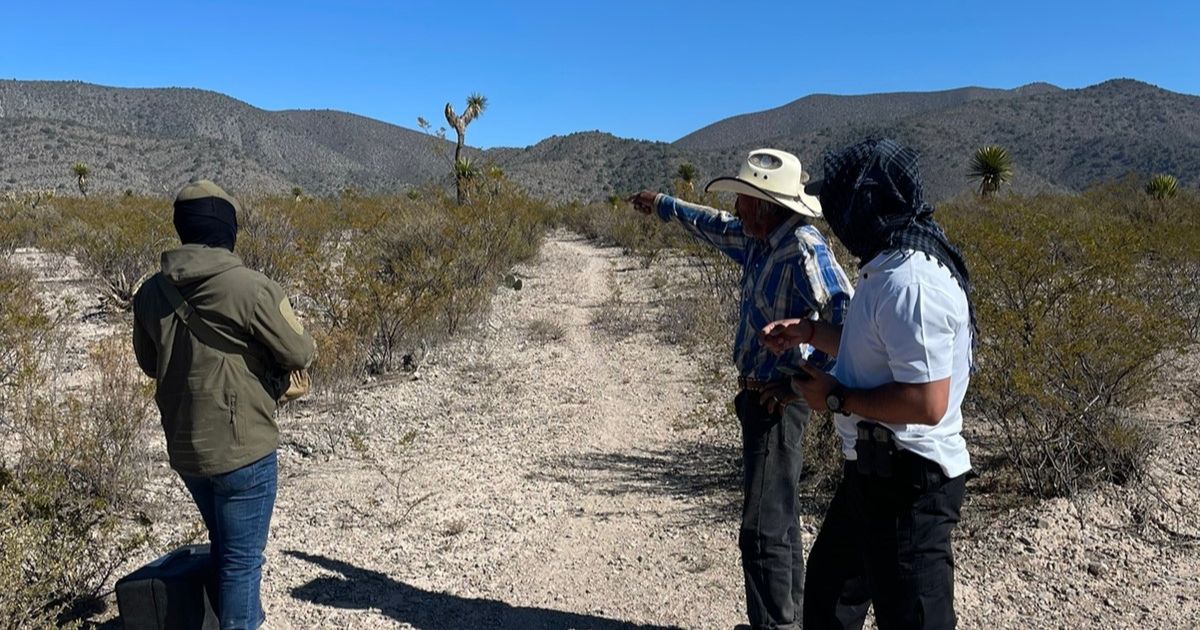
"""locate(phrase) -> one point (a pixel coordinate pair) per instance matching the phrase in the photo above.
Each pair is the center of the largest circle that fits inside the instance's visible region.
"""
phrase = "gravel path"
(546, 474)
(554, 486)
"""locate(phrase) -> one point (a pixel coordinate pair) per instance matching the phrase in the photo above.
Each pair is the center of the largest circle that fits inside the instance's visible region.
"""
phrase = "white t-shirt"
(908, 323)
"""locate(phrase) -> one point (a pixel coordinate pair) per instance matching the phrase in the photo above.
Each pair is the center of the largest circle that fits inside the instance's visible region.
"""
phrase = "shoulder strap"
(199, 327)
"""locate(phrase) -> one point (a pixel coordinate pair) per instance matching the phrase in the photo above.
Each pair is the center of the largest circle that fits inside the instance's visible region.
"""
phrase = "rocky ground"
(544, 473)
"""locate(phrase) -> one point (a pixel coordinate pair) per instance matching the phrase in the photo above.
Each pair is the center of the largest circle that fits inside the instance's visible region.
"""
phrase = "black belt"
(757, 384)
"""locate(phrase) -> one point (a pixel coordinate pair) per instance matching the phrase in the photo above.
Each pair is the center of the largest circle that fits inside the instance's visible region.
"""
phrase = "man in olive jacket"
(218, 380)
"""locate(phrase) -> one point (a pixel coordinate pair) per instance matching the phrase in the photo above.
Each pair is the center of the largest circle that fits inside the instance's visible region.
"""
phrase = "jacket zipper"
(237, 438)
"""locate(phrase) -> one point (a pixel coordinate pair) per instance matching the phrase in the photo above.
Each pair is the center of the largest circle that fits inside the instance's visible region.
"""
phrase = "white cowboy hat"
(774, 176)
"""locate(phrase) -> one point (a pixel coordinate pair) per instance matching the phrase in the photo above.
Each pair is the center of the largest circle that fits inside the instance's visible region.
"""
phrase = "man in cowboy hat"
(789, 271)
(903, 366)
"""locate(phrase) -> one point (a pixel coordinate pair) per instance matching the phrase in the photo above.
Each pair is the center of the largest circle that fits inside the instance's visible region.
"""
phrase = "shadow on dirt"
(355, 588)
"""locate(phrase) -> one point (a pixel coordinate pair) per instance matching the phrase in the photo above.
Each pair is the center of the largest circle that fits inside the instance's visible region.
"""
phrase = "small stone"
(1097, 569)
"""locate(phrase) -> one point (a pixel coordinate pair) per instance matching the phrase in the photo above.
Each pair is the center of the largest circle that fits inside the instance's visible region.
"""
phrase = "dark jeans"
(886, 541)
(236, 507)
(772, 555)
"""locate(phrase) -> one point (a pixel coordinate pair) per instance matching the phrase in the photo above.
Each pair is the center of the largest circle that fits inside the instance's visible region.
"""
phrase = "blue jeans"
(236, 507)
(769, 538)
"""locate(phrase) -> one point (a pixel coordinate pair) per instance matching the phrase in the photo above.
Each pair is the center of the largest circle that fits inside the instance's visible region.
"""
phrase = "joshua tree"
(687, 177)
(297, 192)
(992, 167)
(81, 172)
(1162, 187)
(476, 103)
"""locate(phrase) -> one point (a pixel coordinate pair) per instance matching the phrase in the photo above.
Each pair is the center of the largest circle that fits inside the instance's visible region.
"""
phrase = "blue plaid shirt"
(791, 274)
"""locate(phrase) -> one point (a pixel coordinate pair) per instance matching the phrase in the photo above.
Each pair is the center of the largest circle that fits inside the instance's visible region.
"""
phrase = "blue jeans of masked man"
(236, 507)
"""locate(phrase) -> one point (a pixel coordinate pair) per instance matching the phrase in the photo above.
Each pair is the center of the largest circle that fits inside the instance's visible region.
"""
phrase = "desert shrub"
(268, 242)
(616, 224)
(410, 273)
(25, 328)
(21, 224)
(69, 488)
(117, 240)
(1078, 306)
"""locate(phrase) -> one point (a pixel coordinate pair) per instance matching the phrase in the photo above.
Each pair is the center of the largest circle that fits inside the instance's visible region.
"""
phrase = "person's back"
(218, 404)
(220, 339)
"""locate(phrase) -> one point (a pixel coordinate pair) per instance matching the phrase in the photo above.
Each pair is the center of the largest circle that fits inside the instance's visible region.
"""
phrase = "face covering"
(873, 200)
(209, 221)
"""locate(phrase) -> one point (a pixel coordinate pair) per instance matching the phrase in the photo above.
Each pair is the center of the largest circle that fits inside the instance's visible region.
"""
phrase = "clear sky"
(642, 69)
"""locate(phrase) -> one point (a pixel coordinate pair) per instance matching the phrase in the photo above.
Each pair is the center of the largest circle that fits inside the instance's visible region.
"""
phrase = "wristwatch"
(835, 400)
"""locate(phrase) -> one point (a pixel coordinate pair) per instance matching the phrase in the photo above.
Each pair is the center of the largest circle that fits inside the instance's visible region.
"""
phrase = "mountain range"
(152, 140)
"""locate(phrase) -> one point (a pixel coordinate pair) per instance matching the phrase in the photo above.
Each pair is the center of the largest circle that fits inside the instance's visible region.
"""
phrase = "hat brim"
(805, 204)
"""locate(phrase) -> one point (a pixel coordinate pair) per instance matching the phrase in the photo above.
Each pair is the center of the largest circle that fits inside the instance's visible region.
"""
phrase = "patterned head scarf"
(872, 198)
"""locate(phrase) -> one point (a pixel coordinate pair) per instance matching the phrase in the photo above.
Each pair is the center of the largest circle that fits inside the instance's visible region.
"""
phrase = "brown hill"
(150, 140)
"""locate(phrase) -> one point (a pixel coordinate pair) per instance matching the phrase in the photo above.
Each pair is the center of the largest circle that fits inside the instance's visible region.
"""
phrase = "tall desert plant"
(686, 178)
(81, 172)
(992, 166)
(476, 104)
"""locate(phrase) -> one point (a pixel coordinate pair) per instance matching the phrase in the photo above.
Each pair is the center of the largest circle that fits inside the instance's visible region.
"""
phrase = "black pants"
(772, 556)
(886, 540)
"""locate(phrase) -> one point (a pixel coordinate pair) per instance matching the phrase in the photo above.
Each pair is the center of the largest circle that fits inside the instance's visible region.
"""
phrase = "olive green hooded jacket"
(218, 407)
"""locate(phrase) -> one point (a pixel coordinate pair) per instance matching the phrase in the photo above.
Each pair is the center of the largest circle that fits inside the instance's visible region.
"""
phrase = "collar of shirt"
(882, 259)
(775, 238)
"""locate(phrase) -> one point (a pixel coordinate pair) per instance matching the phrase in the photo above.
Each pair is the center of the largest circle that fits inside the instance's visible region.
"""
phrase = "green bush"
(70, 487)
(1079, 307)
(410, 273)
(25, 329)
(116, 239)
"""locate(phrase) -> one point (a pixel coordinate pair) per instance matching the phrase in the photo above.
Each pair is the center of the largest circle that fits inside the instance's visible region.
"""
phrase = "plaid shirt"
(791, 274)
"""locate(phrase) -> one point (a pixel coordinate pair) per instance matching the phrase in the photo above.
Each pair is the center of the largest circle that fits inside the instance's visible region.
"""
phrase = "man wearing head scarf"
(788, 271)
(904, 357)
(219, 339)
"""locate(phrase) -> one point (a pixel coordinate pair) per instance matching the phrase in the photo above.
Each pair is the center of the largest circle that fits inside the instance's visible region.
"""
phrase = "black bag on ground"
(169, 593)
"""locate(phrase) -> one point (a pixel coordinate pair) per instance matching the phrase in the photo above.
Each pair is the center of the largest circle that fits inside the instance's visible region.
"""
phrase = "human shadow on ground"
(355, 588)
(706, 476)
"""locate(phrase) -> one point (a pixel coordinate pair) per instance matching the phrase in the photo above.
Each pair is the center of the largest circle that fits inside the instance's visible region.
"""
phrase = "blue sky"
(652, 70)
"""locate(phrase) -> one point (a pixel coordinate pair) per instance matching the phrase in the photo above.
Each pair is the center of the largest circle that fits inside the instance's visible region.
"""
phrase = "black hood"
(210, 221)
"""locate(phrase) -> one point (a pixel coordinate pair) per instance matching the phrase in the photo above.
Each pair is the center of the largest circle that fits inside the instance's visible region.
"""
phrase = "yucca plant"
(465, 172)
(1162, 187)
(992, 166)
(684, 182)
(81, 172)
(476, 104)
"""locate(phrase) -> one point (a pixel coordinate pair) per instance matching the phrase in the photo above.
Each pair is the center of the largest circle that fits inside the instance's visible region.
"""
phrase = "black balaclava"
(205, 215)
(872, 199)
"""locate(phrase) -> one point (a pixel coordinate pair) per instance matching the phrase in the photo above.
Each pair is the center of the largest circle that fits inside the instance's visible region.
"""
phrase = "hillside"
(150, 140)
(820, 111)
(147, 139)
